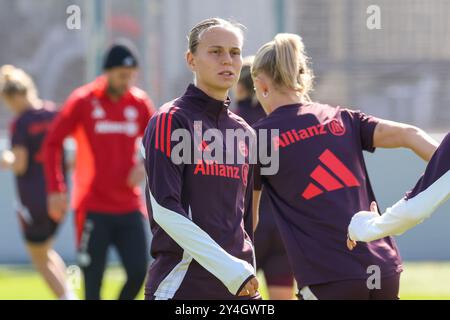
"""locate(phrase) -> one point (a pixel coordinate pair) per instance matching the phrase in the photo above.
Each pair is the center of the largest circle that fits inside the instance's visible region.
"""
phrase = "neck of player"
(217, 94)
(284, 98)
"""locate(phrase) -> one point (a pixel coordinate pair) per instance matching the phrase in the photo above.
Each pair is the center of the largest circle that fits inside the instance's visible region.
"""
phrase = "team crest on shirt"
(336, 127)
(130, 113)
(97, 112)
(242, 146)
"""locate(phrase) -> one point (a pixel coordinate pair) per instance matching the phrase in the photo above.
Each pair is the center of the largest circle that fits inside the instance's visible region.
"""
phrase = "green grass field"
(424, 280)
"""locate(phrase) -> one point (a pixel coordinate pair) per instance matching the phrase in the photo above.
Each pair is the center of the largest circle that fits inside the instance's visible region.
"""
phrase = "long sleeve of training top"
(185, 213)
(431, 191)
(64, 124)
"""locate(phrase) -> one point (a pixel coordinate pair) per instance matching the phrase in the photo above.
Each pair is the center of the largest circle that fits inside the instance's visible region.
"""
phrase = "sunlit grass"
(420, 280)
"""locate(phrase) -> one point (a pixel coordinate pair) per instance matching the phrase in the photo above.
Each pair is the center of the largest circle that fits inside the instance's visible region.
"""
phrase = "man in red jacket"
(106, 118)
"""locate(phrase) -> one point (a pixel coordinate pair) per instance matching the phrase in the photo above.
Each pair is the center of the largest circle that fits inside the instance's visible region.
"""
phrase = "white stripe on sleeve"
(231, 271)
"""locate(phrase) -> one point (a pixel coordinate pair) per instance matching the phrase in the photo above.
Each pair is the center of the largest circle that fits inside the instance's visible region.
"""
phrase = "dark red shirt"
(321, 182)
(201, 216)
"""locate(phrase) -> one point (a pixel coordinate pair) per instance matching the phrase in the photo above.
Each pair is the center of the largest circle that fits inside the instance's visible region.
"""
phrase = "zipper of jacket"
(218, 116)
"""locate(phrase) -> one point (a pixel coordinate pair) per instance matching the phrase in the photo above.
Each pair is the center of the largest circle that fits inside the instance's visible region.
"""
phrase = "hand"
(136, 175)
(250, 288)
(6, 159)
(57, 205)
(351, 244)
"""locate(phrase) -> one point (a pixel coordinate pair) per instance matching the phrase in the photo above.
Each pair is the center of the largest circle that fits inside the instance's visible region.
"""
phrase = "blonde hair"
(16, 81)
(197, 31)
(284, 60)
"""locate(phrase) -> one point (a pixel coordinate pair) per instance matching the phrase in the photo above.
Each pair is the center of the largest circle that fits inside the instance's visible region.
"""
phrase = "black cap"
(119, 56)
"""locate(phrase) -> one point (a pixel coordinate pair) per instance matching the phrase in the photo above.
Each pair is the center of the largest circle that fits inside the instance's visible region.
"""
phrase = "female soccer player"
(201, 209)
(33, 118)
(322, 178)
(271, 255)
(432, 190)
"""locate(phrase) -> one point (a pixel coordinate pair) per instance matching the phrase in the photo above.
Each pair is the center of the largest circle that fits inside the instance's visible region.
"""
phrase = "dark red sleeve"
(257, 179)
(248, 203)
(436, 168)
(365, 126)
(63, 125)
(164, 177)
(19, 134)
(257, 183)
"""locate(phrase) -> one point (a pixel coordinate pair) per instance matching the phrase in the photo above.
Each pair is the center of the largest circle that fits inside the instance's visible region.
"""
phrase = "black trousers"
(127, 234)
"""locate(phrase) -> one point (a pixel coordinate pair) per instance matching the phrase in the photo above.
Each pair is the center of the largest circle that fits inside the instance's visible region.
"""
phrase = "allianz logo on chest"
(128, 127)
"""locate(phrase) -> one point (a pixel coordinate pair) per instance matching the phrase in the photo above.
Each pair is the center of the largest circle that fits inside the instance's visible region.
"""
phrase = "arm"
(249, 217)
(63, 125)
(432, 189)
(390, 134)
(137, 173)
(148, 110)
(256, 201)
(16, 159)
(257, 191)
(405, 214)
(165, 180)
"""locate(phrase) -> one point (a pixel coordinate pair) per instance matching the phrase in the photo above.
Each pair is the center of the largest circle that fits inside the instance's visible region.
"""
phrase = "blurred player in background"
(271, 255)
(431, 191)
(322, 178)
(201, 216)
(106, 118)
(33, 118)
(247, 106)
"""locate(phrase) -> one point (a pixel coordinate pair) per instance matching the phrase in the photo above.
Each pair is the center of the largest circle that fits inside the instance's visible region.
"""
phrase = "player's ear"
(190, 60)
(261, 83)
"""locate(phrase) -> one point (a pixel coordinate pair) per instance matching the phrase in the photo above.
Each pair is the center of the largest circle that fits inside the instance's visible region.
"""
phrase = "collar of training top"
(287, 107)
(205, 102)
(100, 87)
